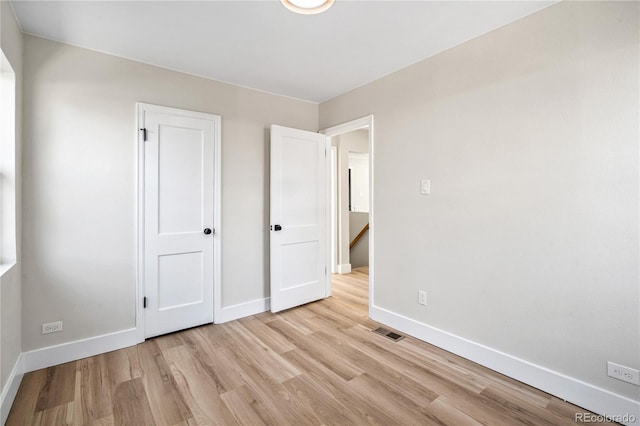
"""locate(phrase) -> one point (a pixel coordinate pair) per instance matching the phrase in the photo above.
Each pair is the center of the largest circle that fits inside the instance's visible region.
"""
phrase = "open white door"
(299, 212)
(178, 264)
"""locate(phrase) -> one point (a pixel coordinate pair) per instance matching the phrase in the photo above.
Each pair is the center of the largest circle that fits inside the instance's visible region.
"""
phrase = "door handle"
(277, 228)
(207, 231)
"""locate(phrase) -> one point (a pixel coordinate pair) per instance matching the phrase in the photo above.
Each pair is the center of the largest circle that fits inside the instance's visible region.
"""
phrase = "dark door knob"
(277, 228)
(207, 231)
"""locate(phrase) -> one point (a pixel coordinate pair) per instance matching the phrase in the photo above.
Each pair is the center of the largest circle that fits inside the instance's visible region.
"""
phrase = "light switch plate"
(425, 186)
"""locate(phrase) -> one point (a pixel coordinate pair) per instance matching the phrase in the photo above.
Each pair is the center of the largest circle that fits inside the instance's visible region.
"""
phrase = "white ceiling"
(260, 44)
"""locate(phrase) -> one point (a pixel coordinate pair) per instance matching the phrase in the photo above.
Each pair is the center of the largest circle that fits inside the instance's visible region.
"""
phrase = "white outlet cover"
(52, 327)
(621, 372)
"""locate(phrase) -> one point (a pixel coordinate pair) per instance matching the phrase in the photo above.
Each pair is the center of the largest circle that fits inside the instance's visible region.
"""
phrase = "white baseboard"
(78, 349)
(10, 389)
(345, 268)
(585, 395)
(245, 309)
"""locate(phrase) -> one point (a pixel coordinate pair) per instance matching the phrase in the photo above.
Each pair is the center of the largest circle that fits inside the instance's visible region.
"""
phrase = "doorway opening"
(351, 207)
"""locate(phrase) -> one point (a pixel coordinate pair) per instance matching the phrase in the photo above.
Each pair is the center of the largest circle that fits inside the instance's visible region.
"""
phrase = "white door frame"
(333, 206)
(350, 126)
(217, 223)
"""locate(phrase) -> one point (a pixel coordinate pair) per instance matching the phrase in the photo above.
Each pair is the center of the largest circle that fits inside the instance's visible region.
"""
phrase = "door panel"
(300, 181)
(178, 206)
(299, 205)
(300, 261)
(181, 177)
(180, 280)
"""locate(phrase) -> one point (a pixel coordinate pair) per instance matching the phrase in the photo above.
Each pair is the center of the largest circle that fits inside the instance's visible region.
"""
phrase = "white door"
(178, 218)
(299, 211)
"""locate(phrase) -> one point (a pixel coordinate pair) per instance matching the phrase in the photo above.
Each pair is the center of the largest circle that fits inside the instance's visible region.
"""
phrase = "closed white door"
(299, 211)
(178, 218)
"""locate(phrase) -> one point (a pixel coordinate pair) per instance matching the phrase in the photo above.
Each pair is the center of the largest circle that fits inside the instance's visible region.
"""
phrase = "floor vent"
(388, 334)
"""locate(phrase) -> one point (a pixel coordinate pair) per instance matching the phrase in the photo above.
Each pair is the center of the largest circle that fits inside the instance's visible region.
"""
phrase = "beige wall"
(80, 183)
(10, 283)
(528, 243)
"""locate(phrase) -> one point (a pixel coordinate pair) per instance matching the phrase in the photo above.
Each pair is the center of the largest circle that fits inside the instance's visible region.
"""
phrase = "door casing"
(357, 124)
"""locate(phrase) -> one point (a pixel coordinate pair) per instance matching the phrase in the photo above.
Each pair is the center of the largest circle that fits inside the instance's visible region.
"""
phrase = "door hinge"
(144, 302)
(144, 134)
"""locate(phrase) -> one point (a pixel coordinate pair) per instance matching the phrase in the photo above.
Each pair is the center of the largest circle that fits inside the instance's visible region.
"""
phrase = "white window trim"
(8, 244)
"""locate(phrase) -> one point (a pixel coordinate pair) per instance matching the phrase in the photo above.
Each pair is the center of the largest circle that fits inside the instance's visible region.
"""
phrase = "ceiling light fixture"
(307, 7)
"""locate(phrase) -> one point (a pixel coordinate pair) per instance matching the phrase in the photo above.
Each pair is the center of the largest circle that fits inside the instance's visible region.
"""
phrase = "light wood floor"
(316, 364)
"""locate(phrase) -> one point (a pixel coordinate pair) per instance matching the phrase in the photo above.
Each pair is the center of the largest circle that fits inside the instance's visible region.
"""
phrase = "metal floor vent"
(388, 334)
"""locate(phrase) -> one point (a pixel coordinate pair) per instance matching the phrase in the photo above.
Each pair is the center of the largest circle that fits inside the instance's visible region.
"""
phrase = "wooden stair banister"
(360, 235)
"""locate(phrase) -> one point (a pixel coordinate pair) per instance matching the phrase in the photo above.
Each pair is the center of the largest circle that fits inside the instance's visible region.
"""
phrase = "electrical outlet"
(422, 297)
(626, 374)
(52, 327)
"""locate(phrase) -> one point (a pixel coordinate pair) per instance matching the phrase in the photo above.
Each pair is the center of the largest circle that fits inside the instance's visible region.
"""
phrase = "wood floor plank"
(450, 415)
(358, 316)
(170, 340)
(78, 412)
(523, 409)
(345, 368)
(123, 365)
(467, 371)
(199, 393)
(166, 401)
(105, 421)
(267, 392)
(325, 409)
(420, 369)
(316, 364)
(275, 401)
(59, 387)
(403, 410)
(95, 398)
(296, 319)
(338, 321)
(396, 380)
(568, 411)
(58, 415)
(211, 356)
(24, 407)
(246, 409)
(269, 337)
(328, 381)
(261, 355)
(130, 404)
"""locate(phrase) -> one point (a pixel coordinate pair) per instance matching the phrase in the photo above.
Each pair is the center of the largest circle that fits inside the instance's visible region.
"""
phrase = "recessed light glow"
(307, 7)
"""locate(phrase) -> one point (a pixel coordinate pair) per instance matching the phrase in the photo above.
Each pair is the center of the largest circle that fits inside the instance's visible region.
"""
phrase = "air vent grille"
(388, 334)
